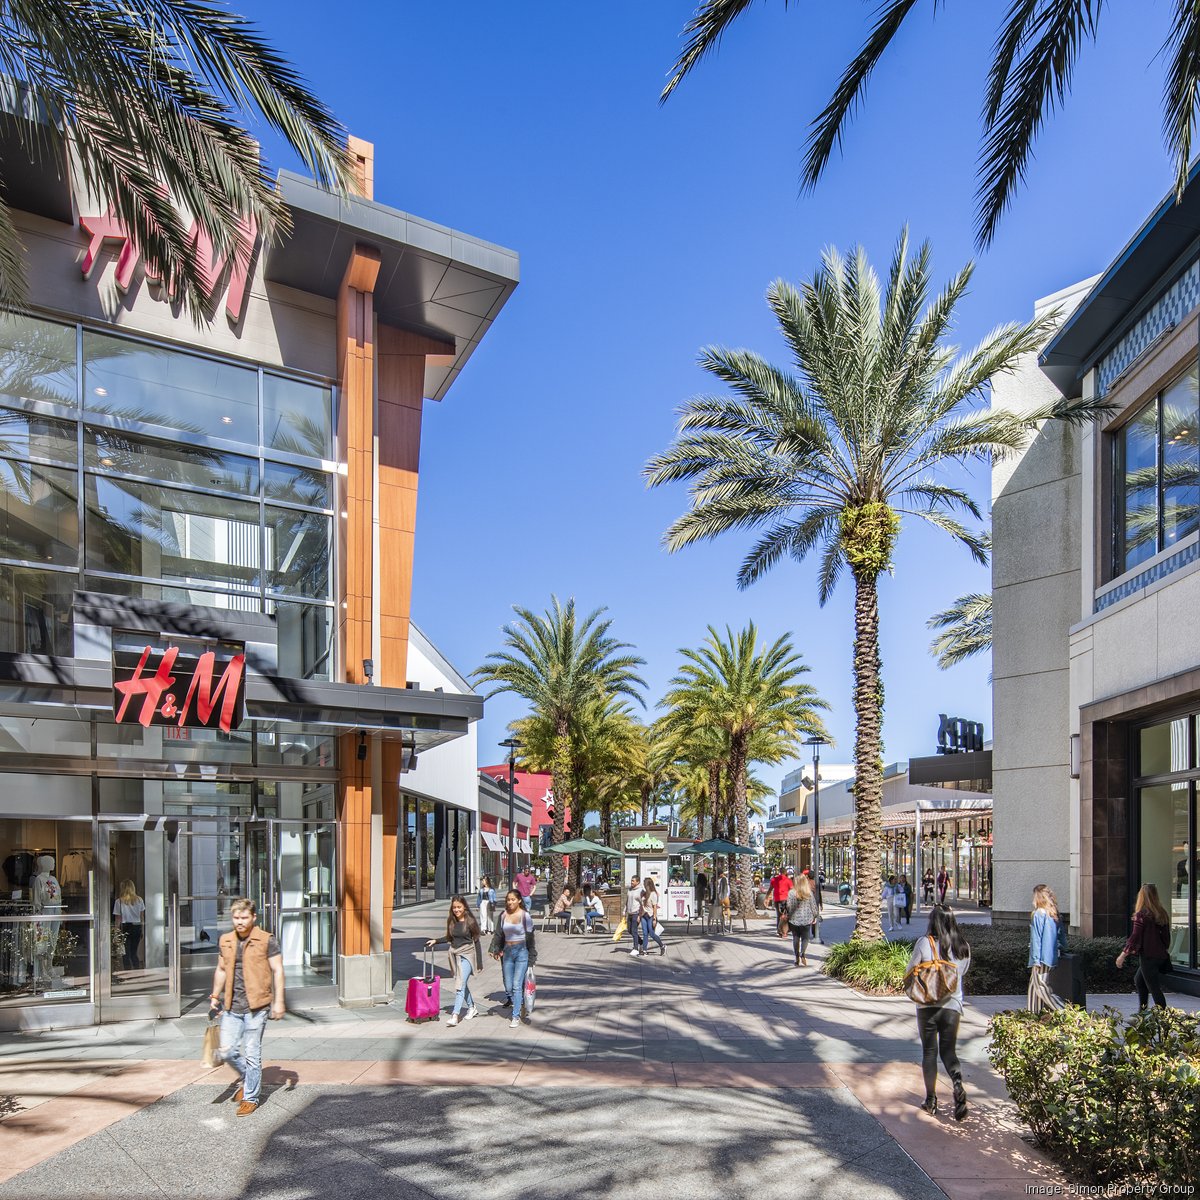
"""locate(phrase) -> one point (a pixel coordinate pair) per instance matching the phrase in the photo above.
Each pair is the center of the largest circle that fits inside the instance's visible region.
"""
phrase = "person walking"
(1151, 941)
(525, 882)
(801, 913)
(815, 931)
(247, 990)
(903, 900)
(943, 884)
(130, 909)
(937, 1023)
(486, 903)
(514, 947)
(781, 888)
(927, 885)
(889, 900)
(722, 896)
(701, 894)
(650, 917)
(1047, 940)
(633, 914)
(466, 956)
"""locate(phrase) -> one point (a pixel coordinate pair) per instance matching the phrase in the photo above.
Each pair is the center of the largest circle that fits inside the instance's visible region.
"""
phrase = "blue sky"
(646, 233)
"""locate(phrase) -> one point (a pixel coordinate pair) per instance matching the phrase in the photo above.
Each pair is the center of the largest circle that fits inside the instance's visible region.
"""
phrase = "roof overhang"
(432, 280)
(950, 768)
(1165, 243)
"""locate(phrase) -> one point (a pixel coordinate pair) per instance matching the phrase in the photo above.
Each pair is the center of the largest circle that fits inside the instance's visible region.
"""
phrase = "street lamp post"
(816, 742)
(512, 745)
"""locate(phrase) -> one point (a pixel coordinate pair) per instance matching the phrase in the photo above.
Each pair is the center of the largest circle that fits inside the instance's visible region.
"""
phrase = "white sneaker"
(453, 1021)
(634, 952)
(471, 1012)
(515, 1023)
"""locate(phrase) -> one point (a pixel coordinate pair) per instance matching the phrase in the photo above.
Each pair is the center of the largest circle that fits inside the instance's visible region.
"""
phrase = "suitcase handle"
(427, 971)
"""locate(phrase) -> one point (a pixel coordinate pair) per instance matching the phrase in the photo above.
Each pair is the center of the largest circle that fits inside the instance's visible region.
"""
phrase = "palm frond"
(704, 32)
(967, 629)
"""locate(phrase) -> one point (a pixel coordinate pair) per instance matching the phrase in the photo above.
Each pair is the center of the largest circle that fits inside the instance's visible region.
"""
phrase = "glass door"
(305, 920)
(137, 884)
(211, 875)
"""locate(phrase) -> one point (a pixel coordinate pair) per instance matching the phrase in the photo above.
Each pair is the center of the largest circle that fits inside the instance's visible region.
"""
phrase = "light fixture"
(106, 462)
(226, 420)
(100, 391)
(362, 746)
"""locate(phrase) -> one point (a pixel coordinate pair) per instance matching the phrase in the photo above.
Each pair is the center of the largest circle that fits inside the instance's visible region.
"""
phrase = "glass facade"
(433, 850)
(145, 470)
(1156, 473)
(1168, 775)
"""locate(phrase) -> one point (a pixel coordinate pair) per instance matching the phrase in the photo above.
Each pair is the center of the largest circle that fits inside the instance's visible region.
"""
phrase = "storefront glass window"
(35, 611)
(298, 553)
(37, 361)
(1157, 491)
(45, 911)
(39, 519)
(1166, 855)
(298, 485)
(25, 434)
(297, 416)
(115, 452)
(161, 533)
(159, 385)
(1164, 748)
(305, 639)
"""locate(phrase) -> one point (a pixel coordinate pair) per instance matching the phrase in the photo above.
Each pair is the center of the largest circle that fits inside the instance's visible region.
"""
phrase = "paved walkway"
(716, 1066)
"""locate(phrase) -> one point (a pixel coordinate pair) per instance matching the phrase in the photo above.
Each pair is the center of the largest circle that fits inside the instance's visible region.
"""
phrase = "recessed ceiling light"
(101, 391)
(106, 462)
(226, 420)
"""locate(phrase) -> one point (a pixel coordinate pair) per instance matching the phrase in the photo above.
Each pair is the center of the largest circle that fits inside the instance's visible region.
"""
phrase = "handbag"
(620, 930)
(210, 1052)
(530, 990)
(931, 981)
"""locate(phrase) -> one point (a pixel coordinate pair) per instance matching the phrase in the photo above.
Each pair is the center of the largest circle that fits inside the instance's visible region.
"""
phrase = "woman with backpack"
(1047, 940)
(1151, 941)
(934, 980)
(801, 913)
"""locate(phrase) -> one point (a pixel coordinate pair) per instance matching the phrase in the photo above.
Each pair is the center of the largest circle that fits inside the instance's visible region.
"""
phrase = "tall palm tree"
(144, 98)
(966, 629)
(833, 455)
(562, 665)
(746, 691)
(1033, 58)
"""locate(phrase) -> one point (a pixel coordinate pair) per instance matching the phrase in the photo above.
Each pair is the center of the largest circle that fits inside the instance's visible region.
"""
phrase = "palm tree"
(562, 666)
(746, 692)
(966, 629)
(833, 456)
(1033, 57)
(143, 98)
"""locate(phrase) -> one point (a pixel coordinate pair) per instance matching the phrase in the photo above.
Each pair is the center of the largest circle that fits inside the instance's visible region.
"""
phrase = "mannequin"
(47, 901)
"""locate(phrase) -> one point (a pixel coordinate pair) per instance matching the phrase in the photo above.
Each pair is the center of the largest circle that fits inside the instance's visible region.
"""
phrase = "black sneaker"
(507, 1002)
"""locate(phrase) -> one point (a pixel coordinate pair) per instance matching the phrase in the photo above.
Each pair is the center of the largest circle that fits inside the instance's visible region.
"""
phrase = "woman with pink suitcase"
(466, 956)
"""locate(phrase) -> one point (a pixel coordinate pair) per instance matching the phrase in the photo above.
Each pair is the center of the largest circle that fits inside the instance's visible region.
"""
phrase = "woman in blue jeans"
(462, 936)
(650, 917)
(513, 947)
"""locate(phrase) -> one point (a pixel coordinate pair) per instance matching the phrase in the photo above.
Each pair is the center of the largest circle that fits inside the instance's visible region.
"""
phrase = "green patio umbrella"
(583, 846)
(719, 846)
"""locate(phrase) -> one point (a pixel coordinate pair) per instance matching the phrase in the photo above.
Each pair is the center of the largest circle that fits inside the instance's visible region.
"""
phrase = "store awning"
(492, 840)
(524, 847)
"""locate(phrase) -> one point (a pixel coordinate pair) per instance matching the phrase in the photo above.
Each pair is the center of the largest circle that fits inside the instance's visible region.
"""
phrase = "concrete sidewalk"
(721, 1046)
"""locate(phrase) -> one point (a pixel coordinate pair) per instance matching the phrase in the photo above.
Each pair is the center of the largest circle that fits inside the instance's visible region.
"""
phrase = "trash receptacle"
(843, 893)
(1067, 981)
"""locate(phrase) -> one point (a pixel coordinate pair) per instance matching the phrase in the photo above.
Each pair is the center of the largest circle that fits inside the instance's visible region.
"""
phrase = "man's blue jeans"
(515, 963)
(241, 1048)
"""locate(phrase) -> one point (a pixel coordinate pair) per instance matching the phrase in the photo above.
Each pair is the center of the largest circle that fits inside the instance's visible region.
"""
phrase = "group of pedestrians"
(898, 900)
(641, 916)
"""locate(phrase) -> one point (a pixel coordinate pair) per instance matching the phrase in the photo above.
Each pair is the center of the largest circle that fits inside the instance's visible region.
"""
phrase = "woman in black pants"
(1151, 941)
(937, 1023)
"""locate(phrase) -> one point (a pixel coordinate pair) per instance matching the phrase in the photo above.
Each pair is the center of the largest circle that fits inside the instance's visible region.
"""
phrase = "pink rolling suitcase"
(424, 1000)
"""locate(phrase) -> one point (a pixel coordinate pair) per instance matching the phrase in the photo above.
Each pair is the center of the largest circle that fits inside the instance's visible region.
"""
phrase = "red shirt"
(782, 885)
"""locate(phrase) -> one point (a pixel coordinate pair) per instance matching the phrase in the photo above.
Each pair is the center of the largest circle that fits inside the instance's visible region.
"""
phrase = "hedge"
(1116, 1099)
(998, 958)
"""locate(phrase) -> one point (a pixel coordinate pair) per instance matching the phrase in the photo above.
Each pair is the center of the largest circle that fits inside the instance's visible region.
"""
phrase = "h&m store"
(206, 552)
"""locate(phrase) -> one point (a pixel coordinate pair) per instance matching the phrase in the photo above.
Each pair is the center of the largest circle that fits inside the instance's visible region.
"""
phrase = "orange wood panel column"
(356, 428)
(402, 357)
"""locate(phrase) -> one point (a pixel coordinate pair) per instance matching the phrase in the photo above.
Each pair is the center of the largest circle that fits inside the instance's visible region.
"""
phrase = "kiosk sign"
(161, 686)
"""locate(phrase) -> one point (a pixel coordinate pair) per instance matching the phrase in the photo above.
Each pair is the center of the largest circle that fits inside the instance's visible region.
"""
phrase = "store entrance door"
(137, 888)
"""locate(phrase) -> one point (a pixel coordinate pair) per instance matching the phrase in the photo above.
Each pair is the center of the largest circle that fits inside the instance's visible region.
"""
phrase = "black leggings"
(938, 1028)
(801, 935)
(1147, 982)
(133, 939)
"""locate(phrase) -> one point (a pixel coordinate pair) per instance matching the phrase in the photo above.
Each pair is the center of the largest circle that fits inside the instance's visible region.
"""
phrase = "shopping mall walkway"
(718, 1068)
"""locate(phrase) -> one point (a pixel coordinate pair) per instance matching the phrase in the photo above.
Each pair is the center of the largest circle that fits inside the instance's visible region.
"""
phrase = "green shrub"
(871, 966)
(1118, 1099)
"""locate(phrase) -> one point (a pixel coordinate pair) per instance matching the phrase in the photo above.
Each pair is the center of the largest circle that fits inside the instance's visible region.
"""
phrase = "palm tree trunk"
(562, 799)
(645, 803)
(741, 816)
(868, 761)
(606, 822)
(714, 794)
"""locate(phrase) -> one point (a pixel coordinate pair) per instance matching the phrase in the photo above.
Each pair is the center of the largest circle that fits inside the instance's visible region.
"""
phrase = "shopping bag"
(620, 931)
(210, 1052)
(530, 991)
(658, 929)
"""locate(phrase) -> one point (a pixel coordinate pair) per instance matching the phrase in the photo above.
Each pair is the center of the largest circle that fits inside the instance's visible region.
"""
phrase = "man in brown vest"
(247, 989)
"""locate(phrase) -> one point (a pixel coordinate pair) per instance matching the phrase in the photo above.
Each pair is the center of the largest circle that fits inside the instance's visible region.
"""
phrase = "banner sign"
(645, 842)
(162, 686)
(957, 736)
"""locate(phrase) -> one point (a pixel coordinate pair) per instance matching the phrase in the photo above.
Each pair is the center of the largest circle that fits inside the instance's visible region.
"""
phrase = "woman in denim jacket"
(1047, 940)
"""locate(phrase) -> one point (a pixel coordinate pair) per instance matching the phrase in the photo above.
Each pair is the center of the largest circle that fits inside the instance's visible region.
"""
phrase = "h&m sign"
(213, 268)
(958, 736)
(161, 686)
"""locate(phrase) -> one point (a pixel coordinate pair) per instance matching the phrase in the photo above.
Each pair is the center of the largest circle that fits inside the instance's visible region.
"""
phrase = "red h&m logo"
(158, 691)
(212, 266)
